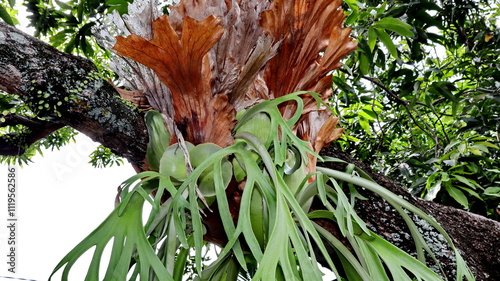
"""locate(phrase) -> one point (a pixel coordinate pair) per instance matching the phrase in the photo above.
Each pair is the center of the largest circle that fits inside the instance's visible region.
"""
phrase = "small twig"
(189, 167)
(404, 103)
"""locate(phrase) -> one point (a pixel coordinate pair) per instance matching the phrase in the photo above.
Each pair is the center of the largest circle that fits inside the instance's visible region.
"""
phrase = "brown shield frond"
(220, 56)
(180, 60)
(313, 42)
(242, 51)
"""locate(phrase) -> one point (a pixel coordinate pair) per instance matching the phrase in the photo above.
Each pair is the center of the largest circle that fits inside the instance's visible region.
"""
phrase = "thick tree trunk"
(39, 74)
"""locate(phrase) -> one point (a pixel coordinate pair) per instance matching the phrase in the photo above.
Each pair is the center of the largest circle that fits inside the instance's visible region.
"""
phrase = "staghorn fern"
(278, 244)
(218, 74)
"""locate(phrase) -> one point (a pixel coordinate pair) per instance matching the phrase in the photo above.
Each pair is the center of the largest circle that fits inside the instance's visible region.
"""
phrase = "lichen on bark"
(63, 89)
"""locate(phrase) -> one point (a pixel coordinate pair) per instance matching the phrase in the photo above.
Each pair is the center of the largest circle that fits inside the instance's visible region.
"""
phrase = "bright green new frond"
(129, 244)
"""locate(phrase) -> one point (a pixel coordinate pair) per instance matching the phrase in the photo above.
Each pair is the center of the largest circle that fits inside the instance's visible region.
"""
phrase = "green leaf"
(116, 2)
(364, 123)
(472, 183)
(480, 147)
(367, 113)
(433, 190)
(71, 46)
(372, 110)
(342, 85)
(458, 195)
(364, 63)
(444, 89)
(5, 16)
(395, 25)
(63, 5)
(127, 233)
(431, 185)
(120, 6)
(488, 144)
(492, 191)
(79, 11)
(353, 6)
(445, 177)
(372, 38)
(397, 202)
(159, 138)
(471, 192)
(389, 44)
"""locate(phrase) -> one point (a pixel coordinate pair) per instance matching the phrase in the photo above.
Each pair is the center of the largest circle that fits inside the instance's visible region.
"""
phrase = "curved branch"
(68, 90)
(16, 143)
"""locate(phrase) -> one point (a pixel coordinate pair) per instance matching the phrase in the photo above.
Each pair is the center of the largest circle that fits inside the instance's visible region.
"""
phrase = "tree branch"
(68, 90)
(17, 143)
(405, 103)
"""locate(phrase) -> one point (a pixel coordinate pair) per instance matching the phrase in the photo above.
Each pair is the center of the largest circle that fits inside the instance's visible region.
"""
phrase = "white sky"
(62, 199)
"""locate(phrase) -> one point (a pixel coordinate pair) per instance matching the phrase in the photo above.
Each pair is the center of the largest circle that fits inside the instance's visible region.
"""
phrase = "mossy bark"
(64, 89)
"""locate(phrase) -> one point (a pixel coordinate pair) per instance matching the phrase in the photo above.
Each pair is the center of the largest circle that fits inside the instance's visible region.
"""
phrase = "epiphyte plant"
(239, 95)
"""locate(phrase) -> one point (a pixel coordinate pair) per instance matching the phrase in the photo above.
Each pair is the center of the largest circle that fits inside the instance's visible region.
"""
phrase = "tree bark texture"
(65, 90)
(78, 98)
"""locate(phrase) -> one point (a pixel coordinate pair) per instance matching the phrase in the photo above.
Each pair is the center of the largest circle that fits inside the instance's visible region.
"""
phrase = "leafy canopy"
(419, 98)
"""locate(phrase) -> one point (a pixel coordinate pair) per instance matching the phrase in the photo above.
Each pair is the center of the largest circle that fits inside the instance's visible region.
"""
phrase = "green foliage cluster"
(7, 12)
(103, 157)
(66, 25)
(12, 105)
(419, 98)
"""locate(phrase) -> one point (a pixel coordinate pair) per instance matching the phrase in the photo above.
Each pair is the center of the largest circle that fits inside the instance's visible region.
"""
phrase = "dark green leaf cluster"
(420, 100)
(103, 157)
(68, 24)
(58, 139)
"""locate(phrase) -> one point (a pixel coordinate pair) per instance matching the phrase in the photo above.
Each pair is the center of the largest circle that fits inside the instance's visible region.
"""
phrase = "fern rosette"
(239, 91)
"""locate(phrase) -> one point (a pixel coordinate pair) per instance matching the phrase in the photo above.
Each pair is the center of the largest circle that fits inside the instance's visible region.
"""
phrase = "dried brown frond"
(219, 56)
(313, 42)
(319, 128)
(242, 51)
(136, 97)
(180, 60)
